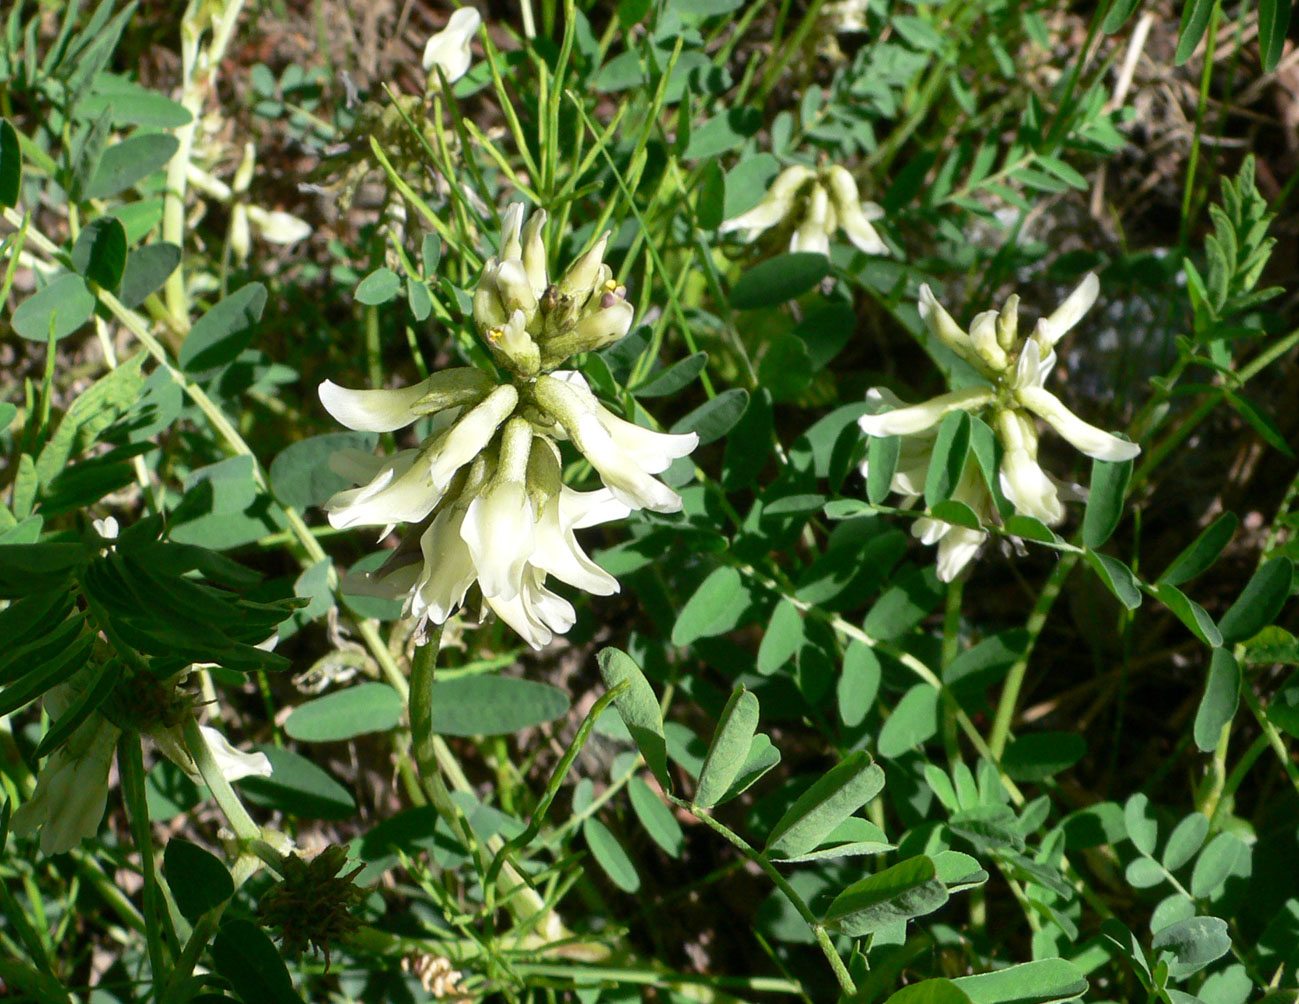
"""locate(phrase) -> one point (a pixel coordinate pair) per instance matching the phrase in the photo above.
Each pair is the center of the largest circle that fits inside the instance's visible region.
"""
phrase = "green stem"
(1015, 677)
(130, 762)
(818, 930)
(245, 830)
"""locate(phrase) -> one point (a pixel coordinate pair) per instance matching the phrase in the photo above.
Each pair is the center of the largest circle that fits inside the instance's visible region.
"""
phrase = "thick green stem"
(247, 831)
(130, 762)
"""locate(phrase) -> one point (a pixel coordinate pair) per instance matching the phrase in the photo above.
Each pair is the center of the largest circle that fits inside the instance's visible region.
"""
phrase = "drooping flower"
(449, 48)
(483, 496)
(1013, 398)
(808, 206)
(72, 786)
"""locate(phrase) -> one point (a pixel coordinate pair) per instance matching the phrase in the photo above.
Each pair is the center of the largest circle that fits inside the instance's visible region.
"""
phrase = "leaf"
(729, 748)
(881, 464)
(749, 443)
(1259, 602)
(1273, 22)
(1118, 578)
(1221, 696)
(1030, 528)
(914, 593)
(379, 286)
(494, 705)
(843, 790)
(714, 419)
(224, 331)
(147, 268)
(933, 991)
(1109, 486)
(859, 682)
(1195, 19)
(609, 854)
(300, 474)
(911, 888)
(786, 367)
(1042, 982)
(1216, 863)
(1037, 756)
(1190, 613)
(11, 165)
(672, 378)
(1187, 838)
(1140, 822)
(1259, 420)
(100, 252)
(1194, 943)
(713, 608)
(1119, 12)
(948, 458)
(246, 956)
(198, 879)
(130, 161)
(657, 818)
(710, 199)
(298, 788)
(851, 838)
(778, 279)
(762, 757)
(59, 309)
(1202, 552)
(639, 710)
(783, 637)
(913, 721)
(369, 707)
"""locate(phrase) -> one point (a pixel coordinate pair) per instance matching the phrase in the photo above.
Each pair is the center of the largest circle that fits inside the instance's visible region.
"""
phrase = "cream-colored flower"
(449, 48)
(1013, 398)
(483, 495)
(808, 206)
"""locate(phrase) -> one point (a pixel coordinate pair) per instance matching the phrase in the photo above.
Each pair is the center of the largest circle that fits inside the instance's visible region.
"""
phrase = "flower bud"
(240, 239)
(581, 277)
(513, 346)
(1008, 322)
(514, 289)
(534, 253)
(983, 336)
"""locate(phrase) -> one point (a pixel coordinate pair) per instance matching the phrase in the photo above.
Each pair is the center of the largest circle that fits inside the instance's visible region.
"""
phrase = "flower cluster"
(1013, 398)
(807, 206)
(72, 786)
(483, 493)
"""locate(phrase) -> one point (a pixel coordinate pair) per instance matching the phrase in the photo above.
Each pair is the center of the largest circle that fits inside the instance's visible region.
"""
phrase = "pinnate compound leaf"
(1221, 696)
(1259, 602)
(1045, 981)
(245, 955)
(729, 748)
(198, 879)
(368, 707)
(911, 888)
(844, 789)
(639, 710)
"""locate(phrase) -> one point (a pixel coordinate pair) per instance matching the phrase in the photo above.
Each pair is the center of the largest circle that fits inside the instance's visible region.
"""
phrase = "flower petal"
(372, 410)
(449, 48)
(1069, 313)
(1094, 442)
(919, 417)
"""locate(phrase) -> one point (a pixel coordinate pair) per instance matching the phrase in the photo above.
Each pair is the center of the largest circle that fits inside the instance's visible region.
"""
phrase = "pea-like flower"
(449, 48)
(1013, 399)
(72, 786)
(483, 494)
(807, 206)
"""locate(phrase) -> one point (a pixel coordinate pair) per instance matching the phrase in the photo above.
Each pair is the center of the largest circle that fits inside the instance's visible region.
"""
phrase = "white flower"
(810, 205)
(1016, 370)
(72, 786)
(449, 48)
(624, 455)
